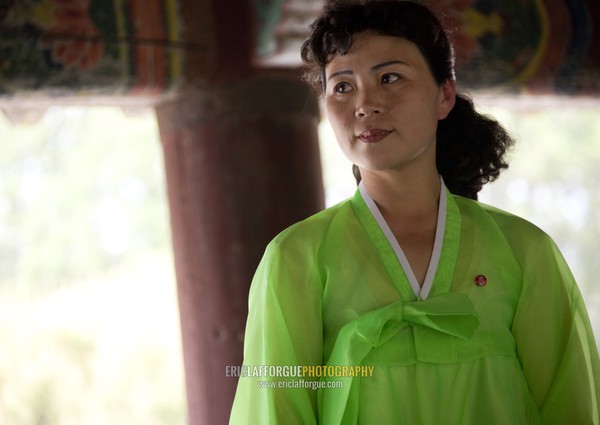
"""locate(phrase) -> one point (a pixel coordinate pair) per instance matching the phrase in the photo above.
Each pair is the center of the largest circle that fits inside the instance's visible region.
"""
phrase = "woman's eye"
(342, 88)
(389, 78)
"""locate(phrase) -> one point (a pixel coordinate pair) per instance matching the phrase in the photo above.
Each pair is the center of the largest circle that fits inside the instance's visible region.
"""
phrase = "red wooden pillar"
(242, 163)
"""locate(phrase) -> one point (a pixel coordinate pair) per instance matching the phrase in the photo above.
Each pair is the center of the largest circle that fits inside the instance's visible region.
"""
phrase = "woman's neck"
(412, 198)
(410, 209)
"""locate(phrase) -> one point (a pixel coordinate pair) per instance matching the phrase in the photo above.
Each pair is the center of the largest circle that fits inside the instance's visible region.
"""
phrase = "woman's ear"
(448, 98)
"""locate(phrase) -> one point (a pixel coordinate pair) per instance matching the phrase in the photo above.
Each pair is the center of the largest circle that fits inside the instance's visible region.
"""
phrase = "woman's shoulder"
(519, 232)
(312, 230)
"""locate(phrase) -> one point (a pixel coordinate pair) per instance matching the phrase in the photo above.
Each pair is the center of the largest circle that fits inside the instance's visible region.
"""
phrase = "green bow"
(450, 313)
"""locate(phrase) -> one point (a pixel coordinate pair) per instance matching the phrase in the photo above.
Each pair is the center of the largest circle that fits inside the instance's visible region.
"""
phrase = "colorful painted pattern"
(97, 46)
(134, 46)
(536, 45)
(513, 45)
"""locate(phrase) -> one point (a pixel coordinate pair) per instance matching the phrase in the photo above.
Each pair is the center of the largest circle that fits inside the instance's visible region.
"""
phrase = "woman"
(429, 307)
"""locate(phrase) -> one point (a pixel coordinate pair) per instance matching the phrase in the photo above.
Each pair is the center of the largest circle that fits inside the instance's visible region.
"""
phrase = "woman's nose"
(368, 106)
(364, 112)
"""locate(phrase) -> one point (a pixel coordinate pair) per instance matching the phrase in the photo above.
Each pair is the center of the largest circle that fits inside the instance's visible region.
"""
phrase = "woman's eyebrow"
(344, 72)
(373, 68)
(384, 64)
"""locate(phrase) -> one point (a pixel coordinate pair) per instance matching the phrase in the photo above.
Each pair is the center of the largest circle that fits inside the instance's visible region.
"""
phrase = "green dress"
(498, 333)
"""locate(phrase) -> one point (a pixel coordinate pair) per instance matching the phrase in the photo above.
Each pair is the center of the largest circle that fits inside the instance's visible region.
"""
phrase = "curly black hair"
(471, 147)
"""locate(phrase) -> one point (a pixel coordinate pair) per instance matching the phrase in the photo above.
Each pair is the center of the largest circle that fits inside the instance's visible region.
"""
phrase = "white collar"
(419, 291)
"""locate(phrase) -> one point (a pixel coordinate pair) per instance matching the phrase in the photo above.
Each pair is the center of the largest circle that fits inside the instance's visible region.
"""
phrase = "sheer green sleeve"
(555, 343)
(284, 328)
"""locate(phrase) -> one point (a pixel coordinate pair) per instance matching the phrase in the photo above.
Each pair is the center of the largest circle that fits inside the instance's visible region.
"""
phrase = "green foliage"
(79, 192)
(88, 312)
(105, 351)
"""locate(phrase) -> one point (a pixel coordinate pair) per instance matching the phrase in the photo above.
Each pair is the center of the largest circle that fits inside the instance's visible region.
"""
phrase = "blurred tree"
(82, 201)
(80, 191)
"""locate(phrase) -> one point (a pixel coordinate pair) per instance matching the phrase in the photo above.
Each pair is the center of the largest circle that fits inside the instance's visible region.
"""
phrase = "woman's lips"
(373, 135)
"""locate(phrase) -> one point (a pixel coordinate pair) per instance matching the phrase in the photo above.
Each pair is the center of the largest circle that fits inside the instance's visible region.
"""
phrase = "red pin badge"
(480, 280)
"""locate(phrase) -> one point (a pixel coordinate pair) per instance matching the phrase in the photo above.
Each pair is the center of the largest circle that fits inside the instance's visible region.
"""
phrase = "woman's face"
(384, 104)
